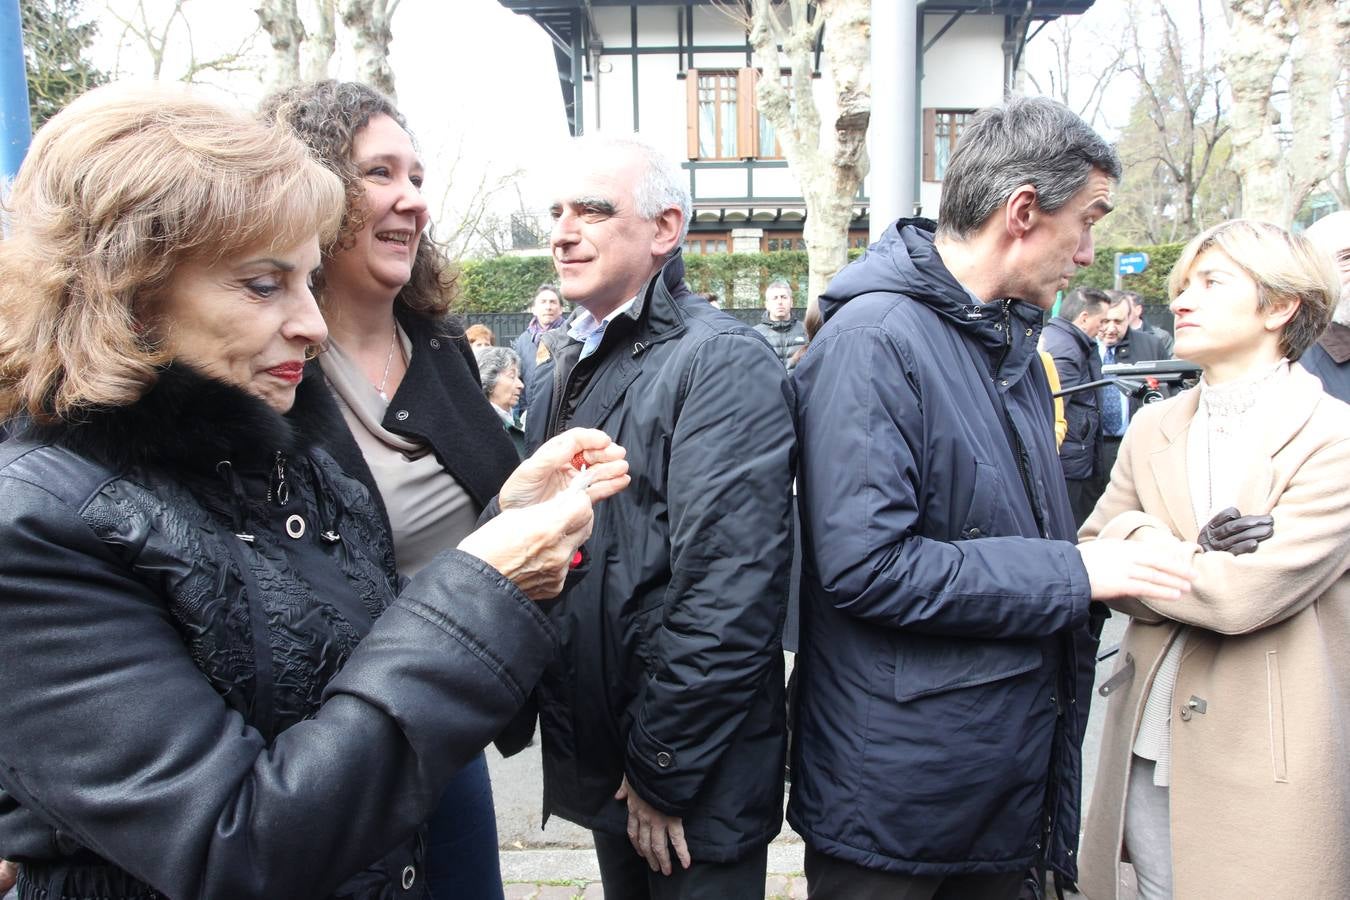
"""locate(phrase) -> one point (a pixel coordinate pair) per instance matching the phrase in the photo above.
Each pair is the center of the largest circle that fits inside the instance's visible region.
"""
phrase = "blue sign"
(1131, 263)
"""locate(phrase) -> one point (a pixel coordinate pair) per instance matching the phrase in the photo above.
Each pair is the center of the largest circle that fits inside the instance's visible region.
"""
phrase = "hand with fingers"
(552, 468)
(533, 546)
(1147, 570)
(1232, 532)
(652, 832)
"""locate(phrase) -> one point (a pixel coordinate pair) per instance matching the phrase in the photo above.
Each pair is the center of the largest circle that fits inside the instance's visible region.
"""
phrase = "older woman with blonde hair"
(1225, 763)
(215, 683)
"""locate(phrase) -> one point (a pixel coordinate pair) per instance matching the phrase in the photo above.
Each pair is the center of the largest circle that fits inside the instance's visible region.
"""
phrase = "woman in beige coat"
(1225, 763)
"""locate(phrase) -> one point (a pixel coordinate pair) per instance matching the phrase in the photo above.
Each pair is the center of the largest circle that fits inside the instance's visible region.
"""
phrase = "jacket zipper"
(278, 488)
(1019, 450)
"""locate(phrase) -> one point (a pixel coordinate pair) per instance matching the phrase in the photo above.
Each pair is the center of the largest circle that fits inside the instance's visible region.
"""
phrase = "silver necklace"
(388, 361)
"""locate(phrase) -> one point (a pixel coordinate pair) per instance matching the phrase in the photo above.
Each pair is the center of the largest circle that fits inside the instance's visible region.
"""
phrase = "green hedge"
(507, 283)
(1151, 283)
(504, 284)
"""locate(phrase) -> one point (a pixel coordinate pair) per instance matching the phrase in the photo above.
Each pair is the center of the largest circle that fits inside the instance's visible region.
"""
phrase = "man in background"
(1137, 323)
(547, 308)
(1071, 339)
(1118, 343)
(785, 332)
(1329, 358)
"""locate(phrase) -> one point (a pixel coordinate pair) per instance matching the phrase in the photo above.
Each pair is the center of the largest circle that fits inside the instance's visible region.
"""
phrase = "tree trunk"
(1277, 177)
(317, 52)
(281, 20)
(1258, 43)
(1323, 30)
(829, 163)
(369, 22)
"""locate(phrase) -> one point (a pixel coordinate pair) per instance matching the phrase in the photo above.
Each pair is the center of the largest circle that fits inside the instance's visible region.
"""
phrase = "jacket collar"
(1336, 341)
(1079, 336)
(188, 421)
(655, 314)
(1278, 424)
(783, 325)
(906, 261)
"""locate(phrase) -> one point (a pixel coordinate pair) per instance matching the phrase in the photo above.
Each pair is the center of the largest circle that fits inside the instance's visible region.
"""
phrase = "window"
(707, 242)
(774, 241)
(717, 115)
(723, 117)
(793, 240)
(941, 130)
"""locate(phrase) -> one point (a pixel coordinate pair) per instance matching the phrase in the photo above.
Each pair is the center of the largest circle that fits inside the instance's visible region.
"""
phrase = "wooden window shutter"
(691, 111)
(747, 113)
(929, 135)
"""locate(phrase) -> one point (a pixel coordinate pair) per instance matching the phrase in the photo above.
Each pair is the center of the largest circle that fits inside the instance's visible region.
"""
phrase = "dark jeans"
(627, 876)
(1110, 450)
(461, 859)
(828, 878)
(1083, 496)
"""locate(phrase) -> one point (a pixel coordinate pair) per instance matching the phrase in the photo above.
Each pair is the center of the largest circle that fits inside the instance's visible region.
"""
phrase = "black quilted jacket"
(183, 586)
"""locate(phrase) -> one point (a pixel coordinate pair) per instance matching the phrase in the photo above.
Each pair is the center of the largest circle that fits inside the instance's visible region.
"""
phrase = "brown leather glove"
(1235, 533)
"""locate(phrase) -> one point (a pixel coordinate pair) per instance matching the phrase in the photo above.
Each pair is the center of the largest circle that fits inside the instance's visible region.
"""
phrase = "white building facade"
(681, 75)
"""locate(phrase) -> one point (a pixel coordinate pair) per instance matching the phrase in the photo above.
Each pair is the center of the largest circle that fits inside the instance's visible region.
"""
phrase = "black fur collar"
(189, 421)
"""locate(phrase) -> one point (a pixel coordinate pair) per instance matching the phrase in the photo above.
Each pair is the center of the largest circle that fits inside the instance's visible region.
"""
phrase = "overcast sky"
(476, 82)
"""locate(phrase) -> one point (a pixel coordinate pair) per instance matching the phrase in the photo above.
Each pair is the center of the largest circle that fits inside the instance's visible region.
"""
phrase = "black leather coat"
(672, 665)
(187, 713)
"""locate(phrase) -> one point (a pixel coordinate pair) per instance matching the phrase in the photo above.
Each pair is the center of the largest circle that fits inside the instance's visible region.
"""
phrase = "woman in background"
(1224, 769)
(499, 367)
(419, 430)
(480, 336)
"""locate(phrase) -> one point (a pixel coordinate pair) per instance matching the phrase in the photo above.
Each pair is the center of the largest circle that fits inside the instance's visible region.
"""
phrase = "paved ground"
(557, 862)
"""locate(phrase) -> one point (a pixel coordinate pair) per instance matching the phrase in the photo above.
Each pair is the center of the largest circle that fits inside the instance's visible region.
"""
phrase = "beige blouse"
(428, 509)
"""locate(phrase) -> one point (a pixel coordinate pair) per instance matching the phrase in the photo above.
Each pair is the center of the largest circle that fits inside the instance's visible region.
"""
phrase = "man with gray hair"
(785, 332)
(663, 719)
(1329, 358)
(948, 629)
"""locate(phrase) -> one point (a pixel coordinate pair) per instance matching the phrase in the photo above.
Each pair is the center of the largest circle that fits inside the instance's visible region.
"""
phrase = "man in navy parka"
(948, 637)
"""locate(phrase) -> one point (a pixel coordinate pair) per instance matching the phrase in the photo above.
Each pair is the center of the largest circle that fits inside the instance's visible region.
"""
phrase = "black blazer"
(440, 401)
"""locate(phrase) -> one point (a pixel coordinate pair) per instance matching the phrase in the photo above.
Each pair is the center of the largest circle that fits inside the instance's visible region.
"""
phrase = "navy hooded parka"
(947, 646)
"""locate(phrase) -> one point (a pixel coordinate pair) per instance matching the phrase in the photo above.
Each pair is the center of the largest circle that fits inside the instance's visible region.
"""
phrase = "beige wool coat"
(1260, 777)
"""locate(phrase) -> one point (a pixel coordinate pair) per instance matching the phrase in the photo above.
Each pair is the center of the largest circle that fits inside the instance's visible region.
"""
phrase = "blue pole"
(15, 129)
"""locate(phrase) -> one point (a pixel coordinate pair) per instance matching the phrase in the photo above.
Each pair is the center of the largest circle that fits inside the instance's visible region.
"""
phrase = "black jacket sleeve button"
(435, 343)
(409, 877)
(401, 415)
(664, 759)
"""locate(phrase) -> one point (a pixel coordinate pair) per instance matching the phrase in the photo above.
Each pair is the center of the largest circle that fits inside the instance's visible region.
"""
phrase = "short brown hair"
(117, 190)
(326, 115)
(1284, 266)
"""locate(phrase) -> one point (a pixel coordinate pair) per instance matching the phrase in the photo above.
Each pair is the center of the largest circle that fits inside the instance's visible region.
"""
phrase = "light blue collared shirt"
(588, 331)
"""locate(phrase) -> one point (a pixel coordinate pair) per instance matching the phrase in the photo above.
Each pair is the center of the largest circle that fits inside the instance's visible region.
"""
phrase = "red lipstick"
(292, 372)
